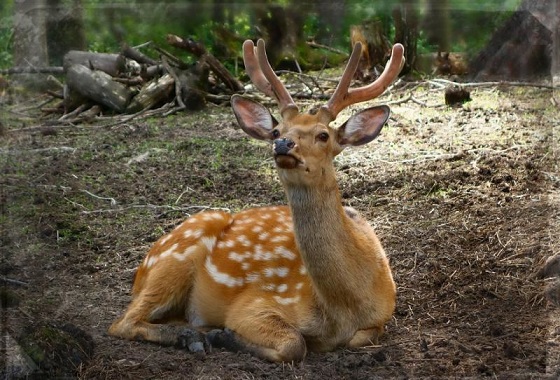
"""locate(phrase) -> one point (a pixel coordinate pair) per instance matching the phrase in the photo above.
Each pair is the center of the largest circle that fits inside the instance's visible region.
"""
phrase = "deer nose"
(283, 145)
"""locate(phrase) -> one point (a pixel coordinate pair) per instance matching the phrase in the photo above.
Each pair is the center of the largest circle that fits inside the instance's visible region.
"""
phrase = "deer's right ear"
(253, 118)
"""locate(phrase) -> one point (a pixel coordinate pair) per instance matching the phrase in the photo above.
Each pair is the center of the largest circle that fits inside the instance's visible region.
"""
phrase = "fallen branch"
(56, 70)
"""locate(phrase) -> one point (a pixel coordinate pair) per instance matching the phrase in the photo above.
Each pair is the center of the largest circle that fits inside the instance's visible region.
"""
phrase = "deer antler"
(343, 97)
(263, 77)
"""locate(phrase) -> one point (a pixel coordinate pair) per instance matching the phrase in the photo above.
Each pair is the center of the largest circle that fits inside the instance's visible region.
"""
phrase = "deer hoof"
(192, 340)
(225, 338)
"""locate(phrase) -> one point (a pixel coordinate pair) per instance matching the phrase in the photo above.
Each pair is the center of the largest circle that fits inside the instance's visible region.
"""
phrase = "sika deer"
(284, 279)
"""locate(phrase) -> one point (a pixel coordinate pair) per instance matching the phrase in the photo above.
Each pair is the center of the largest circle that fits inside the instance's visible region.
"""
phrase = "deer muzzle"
(282, 148)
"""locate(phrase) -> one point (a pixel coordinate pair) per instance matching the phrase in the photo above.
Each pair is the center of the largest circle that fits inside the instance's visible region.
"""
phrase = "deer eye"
(275, 133)
(323, 136)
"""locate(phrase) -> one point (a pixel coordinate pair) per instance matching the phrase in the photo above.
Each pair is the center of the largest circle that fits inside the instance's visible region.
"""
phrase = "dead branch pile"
(131, 82)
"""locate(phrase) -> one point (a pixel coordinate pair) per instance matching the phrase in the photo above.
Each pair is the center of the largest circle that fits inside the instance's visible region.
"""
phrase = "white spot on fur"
(239, 257)
(280, 238)
(268, 287)
(150, 261)
(209, 242)
(211, 216)
(164, 239)
(284, 252)
(245, 266)
(302, 270)
(262, 255)
(252, 277)
(282, 288)
(244, 241)
(256, 229)
(169, 251)
(280, 272)
(196, 234)
(299, 285)
(221, 277)
(186, 253)
(286, 301)
(264, 236)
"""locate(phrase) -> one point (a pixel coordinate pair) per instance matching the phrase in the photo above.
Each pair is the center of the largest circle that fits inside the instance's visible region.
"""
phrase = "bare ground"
(464, 199)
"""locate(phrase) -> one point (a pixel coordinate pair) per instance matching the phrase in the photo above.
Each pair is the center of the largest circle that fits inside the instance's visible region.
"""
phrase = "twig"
(321, 46)
(302, 75)
(112, 200)
(489, 84)
(400, 101)
(11, 281)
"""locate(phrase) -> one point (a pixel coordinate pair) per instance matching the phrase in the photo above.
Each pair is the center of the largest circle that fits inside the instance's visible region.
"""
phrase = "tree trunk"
(405, 17)
(438, 24)
(30, 39)
(65, 29)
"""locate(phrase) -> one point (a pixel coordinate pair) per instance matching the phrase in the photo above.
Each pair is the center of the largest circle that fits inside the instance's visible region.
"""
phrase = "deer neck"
(325, 238)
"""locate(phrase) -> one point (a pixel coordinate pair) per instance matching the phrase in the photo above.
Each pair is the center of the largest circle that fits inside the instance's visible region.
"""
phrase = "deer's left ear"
(363, 127)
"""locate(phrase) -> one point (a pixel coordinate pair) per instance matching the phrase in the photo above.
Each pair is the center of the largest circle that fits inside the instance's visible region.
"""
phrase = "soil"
(464, 200)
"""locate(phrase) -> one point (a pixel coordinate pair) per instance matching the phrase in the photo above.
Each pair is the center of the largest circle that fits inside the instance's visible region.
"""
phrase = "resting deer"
(278, 280)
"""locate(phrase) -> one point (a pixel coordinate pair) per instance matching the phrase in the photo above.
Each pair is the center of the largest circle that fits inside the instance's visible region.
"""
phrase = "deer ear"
(363, 127)
(253, 118)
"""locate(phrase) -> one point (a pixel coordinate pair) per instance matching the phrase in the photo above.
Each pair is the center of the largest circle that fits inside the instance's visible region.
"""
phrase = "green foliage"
(109, 24)
(6, 34)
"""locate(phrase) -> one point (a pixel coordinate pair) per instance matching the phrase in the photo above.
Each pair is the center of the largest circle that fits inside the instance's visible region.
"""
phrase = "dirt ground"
(464, 200)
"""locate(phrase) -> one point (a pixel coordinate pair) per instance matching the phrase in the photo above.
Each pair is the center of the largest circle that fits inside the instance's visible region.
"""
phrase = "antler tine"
(264, 78)
(254, 70)
(343, 97)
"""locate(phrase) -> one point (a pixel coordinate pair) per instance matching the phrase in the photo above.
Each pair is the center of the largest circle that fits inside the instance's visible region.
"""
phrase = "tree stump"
(522, 48)
(376, 48)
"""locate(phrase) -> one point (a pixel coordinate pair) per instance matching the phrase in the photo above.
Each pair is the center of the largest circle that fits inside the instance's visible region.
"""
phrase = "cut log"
(155, 92)
(112, 64)
(99, 87)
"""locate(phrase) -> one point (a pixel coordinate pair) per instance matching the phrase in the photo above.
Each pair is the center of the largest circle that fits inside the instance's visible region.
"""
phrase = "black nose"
(283, 145)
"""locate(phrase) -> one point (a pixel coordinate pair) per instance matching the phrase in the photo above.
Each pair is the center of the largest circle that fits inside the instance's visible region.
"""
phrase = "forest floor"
(464, 199)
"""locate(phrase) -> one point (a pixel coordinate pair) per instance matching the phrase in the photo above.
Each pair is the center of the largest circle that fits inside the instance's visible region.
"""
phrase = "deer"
(284, 280)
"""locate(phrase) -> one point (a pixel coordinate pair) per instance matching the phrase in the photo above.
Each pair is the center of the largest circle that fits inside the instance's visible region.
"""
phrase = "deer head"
(304, 144)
